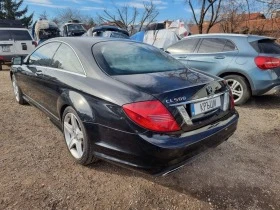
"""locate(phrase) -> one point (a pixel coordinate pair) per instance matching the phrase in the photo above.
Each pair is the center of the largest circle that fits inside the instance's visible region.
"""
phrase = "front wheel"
(240, 88)
(79, 146)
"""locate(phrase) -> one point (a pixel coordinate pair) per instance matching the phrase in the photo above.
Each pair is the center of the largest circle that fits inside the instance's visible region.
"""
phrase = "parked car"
(14, 41)
(107, 31)
(137, 107)
(73, 28)
(249, 63)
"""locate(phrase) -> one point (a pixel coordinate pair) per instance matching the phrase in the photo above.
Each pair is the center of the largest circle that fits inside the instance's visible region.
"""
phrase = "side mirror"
(17, 61)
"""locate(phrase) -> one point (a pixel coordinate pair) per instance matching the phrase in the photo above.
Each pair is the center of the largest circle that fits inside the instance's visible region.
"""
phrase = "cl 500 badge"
(176, 100)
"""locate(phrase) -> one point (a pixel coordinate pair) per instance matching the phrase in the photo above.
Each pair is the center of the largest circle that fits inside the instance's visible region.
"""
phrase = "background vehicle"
(43, 30)
(107, 31)
(249, 63)
(138, 106)
(73, 28)
(14, 41)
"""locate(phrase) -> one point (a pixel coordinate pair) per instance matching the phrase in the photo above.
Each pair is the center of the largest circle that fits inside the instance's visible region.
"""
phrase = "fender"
(78, 102)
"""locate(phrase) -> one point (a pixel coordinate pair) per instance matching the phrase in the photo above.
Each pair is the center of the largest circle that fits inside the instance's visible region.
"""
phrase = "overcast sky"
(169, 9)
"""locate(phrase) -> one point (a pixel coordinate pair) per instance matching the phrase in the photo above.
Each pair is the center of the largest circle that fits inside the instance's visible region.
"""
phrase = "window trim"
(201, 40)
(57, 69)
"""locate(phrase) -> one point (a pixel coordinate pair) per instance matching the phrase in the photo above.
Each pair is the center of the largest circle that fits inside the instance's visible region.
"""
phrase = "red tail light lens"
(151, 115)
(266, 63)
(34, 43)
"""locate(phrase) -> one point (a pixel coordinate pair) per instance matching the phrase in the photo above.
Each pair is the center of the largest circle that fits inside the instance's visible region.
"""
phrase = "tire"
(77, 142)
(1, 68)
(17, 91)
(240, 88)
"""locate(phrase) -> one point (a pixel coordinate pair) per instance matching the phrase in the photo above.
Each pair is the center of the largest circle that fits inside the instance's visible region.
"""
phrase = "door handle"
(220, 57)
(182, 57)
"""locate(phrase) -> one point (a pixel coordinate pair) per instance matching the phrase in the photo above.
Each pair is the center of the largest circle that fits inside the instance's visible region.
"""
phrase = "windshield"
(75, 27)
(122, 58)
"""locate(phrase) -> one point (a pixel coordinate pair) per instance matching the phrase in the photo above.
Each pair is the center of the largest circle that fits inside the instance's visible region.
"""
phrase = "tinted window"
(212, 45)
(133, 58)
(66, 59)
(43, 55)
(268, 46)
(5, 35)
(183, 46)
(20, 35)
(230, 46)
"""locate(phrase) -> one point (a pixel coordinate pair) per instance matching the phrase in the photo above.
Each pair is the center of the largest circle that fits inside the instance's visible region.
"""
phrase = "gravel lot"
(36, 171)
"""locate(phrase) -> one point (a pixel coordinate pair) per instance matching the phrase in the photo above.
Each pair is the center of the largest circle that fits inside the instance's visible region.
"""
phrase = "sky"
(168, 9)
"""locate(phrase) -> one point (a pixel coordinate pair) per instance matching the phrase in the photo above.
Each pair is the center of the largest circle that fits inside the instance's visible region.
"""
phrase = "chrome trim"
(273, 90)
(185, 115)
(198, 100)
(65, 71)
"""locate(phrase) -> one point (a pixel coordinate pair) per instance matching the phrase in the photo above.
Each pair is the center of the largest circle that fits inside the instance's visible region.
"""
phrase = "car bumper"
(8, 58)
(158, 154)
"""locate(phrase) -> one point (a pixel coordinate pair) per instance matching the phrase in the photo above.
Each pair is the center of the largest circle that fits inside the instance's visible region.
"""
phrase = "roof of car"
(214, 35)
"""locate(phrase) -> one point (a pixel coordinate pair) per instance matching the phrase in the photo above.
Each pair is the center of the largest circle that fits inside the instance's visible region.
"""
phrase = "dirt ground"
(36, 171)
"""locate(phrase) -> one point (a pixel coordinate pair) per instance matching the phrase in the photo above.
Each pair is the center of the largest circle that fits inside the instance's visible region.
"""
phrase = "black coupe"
(125, 102)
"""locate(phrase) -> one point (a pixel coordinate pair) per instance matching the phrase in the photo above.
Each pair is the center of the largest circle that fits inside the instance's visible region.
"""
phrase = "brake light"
(151, 115)
(34, 43)
(1, 58)
(266, 63)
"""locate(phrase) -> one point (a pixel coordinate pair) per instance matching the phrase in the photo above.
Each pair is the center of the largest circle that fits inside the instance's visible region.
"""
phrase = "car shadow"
(263, 102)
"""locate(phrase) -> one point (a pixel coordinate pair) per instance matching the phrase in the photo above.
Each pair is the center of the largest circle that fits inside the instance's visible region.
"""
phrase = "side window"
(183, 46)
(66, 59)
(230, 46)
(43, 55)
(212, 45)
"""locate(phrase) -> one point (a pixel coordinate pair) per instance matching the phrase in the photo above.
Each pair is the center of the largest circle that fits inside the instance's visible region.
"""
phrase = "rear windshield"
(5, 35)
(20, 35)
(267, 46)
(122, 58)
(17, 35)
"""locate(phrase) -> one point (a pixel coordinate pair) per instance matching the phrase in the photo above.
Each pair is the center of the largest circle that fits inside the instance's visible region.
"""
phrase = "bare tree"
(65, 15)
(129, 17)
(43, 15)
(209, 11)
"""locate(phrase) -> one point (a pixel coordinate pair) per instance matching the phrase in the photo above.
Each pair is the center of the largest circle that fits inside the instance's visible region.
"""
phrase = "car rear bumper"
(158, 154)
(275, 89)
(8, 58)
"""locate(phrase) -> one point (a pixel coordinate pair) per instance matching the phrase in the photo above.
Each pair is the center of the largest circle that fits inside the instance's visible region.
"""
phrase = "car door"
(31, 75)
(182, 49)
(64, 73)
(213, 55)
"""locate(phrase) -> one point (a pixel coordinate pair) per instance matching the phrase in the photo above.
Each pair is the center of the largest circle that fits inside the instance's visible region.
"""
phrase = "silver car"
(249, 63)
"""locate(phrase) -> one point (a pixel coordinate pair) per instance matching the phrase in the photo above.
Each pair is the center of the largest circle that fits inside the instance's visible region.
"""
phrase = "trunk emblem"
(209, 90)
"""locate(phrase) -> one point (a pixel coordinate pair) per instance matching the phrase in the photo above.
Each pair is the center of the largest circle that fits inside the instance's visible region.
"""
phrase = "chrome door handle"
(220, 57)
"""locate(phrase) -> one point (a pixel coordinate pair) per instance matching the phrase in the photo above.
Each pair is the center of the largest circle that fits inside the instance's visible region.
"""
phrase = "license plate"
(6, 48)
(205, 106)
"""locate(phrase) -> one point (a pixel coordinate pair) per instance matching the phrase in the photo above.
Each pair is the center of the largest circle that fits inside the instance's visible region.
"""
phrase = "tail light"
(151, 115)
(266, 63)
(34, 43)
(1, 58)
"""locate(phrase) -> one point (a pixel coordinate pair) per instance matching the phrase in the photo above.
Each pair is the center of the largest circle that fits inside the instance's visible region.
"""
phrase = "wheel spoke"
(72, 143)
(234, 85)
(79, 148)
(237, 93)
(68, 128)
(74, 122)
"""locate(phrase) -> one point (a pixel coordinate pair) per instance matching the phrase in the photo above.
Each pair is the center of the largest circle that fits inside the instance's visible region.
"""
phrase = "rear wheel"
(79, 146)
(240, 88)
(17, 91)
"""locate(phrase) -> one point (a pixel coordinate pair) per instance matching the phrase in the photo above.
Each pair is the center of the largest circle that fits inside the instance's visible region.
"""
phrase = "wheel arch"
(78, 102)
(248, 80)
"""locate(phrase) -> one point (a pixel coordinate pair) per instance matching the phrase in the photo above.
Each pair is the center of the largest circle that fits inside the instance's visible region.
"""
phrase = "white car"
(15, 42)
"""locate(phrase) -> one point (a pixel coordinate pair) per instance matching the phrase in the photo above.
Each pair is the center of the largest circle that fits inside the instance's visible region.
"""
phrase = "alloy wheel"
(236, 88)
(15, 88)
(73, 135)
